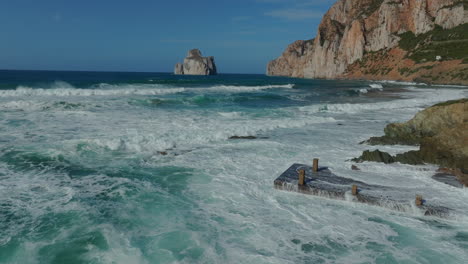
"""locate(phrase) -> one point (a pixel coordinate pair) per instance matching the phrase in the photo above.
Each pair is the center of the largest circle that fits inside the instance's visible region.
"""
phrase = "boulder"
(196, 64)
(440, 130)
(427, 123)
(376, 155)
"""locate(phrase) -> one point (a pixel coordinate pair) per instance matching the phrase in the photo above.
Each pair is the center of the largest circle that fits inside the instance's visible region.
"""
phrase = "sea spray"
(110, 170)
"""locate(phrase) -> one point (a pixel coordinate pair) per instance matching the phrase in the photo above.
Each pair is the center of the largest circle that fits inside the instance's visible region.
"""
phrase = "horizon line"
(115, 71)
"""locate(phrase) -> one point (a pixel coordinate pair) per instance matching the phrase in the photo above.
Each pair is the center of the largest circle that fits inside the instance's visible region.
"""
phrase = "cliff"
(423, 40)
(195, 64)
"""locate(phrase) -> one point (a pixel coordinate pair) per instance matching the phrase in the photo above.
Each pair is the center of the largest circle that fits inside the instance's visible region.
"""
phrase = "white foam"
(424, 98)
(200, 133)
(229, 189)
(232, 88)
(402, 83)
(363, 90)
(376, 86)
(62, 89)
(230, 114)
(23, 105)
(63, 92)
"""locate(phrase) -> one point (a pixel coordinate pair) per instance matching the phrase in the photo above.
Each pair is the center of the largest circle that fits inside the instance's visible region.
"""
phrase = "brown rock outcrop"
(440, 130)
(353, 28)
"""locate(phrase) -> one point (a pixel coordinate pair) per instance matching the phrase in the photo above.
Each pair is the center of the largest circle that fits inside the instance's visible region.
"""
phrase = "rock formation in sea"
(409, 40)
(440, 130)
(195, 64)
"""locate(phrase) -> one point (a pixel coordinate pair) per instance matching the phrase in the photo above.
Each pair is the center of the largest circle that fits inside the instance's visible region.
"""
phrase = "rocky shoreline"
(441, 131)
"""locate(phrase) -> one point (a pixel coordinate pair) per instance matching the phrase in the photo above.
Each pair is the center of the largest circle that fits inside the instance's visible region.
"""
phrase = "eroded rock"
(376, 155)
(442, 132)
(427, 123)
(196, 64)
(353, 28)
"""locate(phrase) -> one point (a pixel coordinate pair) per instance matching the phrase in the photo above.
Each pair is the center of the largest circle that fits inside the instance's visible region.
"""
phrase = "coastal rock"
(454, 177)
(430, 122)
(293, 59)
(353, 29)
(450, 17)
(195, 64)
(376, 155)
(440, 130)
(449, 148)
(411, 157)
(179, 69)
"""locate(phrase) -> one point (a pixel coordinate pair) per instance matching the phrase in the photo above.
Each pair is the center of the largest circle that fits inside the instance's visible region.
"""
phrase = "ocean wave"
(233, 88)
(23, 105)
(402, 83)
(34, 105)
(64, 92)
(376, 86)
(63, 89)
(421, 98)
(373, 86)
(200, 133)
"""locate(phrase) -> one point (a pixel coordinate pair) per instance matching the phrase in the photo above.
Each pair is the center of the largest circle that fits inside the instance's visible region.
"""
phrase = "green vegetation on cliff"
(448, 43)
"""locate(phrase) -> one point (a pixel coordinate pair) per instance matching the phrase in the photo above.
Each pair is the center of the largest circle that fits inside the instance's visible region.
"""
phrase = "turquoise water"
(139, 168)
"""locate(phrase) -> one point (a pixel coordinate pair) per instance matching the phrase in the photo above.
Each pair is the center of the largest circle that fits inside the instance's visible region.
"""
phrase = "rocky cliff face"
(352, 29)
(195, 64)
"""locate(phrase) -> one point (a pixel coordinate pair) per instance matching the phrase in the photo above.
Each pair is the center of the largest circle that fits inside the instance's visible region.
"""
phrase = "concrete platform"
(326, 184)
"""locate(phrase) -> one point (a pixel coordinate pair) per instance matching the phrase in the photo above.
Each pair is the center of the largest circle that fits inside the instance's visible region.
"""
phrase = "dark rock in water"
(354, 167)
(447, 178)
(243, 137)
(411, 157)
(454, 177)
(164, 153)
(296, 241)
(386, 140)
(376, 155)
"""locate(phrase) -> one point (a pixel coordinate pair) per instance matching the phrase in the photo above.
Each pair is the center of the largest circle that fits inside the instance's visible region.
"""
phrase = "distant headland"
(406, 40)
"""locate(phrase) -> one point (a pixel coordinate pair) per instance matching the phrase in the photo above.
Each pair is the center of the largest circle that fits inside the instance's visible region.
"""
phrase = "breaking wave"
(425, 97)
(402, 83)
(373, 86)
(63, 89)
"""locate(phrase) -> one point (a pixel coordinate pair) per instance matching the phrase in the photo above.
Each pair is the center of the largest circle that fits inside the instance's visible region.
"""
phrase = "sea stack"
(195, 64)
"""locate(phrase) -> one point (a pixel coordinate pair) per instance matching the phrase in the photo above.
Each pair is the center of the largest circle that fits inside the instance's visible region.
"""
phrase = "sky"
(151, 36)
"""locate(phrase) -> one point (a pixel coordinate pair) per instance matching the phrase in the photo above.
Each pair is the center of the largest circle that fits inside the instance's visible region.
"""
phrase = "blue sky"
(144, 35)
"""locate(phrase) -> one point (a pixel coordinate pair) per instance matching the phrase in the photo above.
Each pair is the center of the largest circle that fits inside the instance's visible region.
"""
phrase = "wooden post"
(354, 190)
(419, 200)
(315, 166)
(301, 177)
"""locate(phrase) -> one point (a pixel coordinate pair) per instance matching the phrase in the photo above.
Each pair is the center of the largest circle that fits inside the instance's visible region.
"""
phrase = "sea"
(113, 167)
